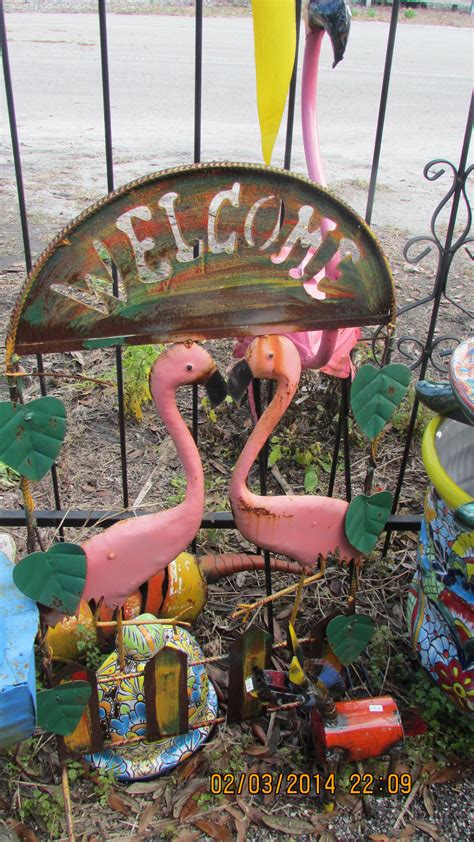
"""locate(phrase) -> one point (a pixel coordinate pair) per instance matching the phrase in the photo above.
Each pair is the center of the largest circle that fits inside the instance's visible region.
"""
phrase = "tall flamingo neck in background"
(165, 402)
(261, 432)
(309, 106)
(309, 118)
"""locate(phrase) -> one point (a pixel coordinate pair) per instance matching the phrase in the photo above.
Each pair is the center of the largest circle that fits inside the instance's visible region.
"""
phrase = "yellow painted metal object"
(452, 494)
(274, 29)
(64, 637)
(187, 589)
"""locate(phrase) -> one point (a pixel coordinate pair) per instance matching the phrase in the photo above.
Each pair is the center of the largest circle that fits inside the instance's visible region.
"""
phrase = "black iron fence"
(418, 352)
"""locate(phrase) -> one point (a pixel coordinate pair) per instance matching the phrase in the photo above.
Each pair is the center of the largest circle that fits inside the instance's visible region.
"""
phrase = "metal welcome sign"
(199, 252)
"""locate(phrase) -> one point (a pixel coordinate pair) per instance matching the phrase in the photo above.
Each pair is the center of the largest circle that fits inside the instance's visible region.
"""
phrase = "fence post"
(87, 736)
(252, 648)
(166, 695)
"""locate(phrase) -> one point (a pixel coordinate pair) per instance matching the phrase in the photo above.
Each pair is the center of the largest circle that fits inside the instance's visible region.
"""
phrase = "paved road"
(56, 72)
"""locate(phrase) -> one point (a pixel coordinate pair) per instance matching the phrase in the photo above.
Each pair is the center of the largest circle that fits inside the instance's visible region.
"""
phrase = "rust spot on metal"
(255, 510)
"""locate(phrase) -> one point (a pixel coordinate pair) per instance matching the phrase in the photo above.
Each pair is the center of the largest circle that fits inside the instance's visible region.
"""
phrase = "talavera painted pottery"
(18, 628)
(440, 607)
(122, 704)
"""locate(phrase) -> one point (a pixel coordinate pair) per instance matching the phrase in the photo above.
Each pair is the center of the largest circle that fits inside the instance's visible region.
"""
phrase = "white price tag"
(249, 684)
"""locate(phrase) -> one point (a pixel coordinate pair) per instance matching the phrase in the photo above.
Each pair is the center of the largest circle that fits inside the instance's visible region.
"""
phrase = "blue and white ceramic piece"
(122, 704)
(18, 627)
(440, 608)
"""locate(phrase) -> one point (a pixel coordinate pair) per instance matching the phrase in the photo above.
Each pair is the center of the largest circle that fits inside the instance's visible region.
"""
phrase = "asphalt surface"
(55, 65)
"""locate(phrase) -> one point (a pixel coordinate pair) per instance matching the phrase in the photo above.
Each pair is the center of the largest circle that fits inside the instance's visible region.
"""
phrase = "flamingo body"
(303, 528)
(125, 555)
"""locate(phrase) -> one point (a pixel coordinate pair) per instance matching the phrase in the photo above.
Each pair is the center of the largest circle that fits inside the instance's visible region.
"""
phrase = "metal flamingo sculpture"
(125, 555)
(301, 527)
(326, 350)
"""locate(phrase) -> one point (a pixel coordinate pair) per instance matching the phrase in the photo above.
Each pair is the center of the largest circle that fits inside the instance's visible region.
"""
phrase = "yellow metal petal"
(274, 29)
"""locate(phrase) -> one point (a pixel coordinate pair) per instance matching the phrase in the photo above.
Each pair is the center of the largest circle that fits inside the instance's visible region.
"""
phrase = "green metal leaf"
(365, 519)
(54, 578)
(60, 709)
(348, 636)
(375, 395)
(31, 435)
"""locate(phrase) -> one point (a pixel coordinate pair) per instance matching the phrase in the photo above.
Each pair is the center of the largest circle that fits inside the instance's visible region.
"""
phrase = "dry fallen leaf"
(427, 827)
(293, 827)
(148, 815)
(449, 773)
(407, 832)
(145, 787)
(258, 732)
(191, 766)
(117, 803)
(214, 830)
(24, 833)
(250, 810)
(186, 835)
(185, 804)
(428, 801)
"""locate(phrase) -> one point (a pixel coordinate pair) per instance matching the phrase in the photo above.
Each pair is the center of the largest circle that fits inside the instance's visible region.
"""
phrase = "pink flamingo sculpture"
(301, 527)
(327, 350)
(121, 558)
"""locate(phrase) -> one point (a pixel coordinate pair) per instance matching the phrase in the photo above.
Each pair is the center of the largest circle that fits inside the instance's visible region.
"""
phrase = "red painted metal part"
(363, 728)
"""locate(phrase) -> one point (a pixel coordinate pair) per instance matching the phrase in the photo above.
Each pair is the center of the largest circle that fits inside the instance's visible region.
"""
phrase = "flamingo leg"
(298, 595)
(244, 609)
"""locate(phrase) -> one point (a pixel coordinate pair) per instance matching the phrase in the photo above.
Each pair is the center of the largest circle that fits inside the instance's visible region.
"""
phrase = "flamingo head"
(266, 358)
(186, 364)
(334, 16)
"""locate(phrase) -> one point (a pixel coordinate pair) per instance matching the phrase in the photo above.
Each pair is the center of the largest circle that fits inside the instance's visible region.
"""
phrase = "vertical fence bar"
(345, 406)
(104, 57)
(292, 92)
(440, 282)
(263, 458)
(22, 207)
(197, 158)
(382, 110)
(197, 81)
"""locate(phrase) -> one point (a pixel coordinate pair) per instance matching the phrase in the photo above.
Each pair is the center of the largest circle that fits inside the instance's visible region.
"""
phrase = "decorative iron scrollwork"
(412, 349)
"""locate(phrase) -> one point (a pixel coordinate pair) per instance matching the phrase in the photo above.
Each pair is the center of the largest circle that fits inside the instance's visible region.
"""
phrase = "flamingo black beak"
(216, 388)
(239, 379)
(334, 16)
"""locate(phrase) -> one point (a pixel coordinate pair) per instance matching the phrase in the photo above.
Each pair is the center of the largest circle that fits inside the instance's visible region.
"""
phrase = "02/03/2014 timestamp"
(292, 783)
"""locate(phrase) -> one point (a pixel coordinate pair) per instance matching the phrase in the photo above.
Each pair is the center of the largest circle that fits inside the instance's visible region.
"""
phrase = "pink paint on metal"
(327, 350)
(301, 528)
(121, 558)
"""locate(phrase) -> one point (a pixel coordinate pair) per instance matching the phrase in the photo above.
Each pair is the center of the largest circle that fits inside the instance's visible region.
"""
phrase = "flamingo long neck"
(165, 402)
(312, 151)
(286, 388)
(309, 106)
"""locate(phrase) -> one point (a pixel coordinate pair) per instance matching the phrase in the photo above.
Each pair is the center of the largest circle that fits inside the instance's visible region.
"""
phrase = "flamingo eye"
(189, 367)
(270, 355)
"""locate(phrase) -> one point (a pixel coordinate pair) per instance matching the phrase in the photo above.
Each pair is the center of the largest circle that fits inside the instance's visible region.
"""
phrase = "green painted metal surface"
(376, 393)
(365, 519)
(245, 279)
(60, 709)
(31, 435)
(348, 636)
(54, 578)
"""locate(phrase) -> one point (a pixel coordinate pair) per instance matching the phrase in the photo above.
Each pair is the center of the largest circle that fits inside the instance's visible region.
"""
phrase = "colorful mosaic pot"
(122, 705)
(440, 609)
